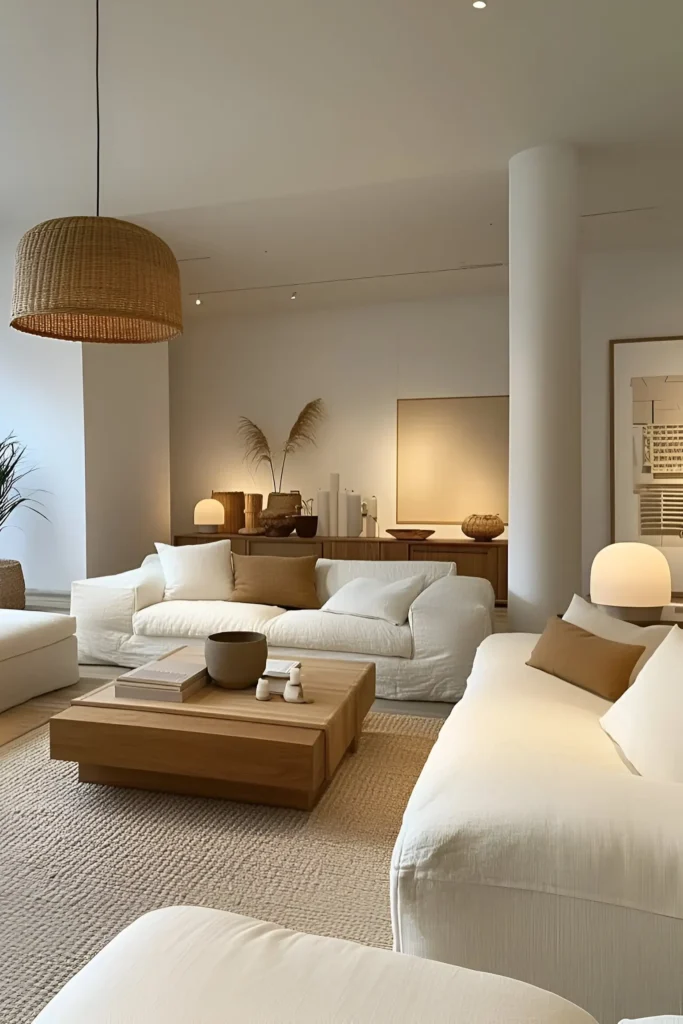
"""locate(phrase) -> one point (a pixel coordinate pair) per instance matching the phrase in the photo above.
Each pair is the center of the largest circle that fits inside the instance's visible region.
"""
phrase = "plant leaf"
(11, 456)
(304, 430)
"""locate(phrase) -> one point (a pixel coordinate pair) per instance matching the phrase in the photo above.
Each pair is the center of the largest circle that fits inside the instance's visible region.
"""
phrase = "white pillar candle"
(343, 520)
(322, 508)
(334, 504)
(354, 514)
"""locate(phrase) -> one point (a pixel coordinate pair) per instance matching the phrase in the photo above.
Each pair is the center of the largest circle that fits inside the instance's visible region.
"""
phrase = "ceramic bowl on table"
(236, 659)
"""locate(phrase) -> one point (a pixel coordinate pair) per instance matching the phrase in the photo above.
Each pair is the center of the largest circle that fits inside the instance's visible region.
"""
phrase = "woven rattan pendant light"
(96, 278)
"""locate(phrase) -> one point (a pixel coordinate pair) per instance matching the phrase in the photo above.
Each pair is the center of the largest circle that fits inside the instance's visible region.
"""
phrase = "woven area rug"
(79, 862)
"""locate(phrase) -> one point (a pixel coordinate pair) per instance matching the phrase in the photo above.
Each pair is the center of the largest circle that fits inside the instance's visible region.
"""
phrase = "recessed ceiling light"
(479, 4)
(197, 301)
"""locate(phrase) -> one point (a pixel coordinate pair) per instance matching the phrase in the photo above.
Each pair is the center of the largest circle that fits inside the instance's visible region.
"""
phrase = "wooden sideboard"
(473, 558)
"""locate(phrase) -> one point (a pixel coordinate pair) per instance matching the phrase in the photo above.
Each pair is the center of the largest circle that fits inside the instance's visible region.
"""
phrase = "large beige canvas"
(452, 459)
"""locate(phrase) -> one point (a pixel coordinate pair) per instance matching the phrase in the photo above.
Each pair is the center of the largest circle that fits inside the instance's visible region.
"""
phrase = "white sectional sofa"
(189, 964)
(124, 620)
(529, 847)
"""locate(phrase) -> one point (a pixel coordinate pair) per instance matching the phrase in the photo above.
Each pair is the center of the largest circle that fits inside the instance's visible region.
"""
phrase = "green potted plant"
(12, 471)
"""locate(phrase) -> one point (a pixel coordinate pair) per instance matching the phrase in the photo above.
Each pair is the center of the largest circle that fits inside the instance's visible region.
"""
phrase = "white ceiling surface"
(346, 138)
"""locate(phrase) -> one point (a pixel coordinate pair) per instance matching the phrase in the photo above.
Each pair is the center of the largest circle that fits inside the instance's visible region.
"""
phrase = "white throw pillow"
(197, 572)
(373, 599)
(594, 620)
(647, 720)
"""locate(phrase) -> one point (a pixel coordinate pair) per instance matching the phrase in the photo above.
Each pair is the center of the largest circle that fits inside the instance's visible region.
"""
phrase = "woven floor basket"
(12, 586)
(96, 279)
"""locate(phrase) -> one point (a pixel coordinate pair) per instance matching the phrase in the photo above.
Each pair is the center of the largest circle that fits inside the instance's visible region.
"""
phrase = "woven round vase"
(483, 527)
(12, 586)
(96, 279)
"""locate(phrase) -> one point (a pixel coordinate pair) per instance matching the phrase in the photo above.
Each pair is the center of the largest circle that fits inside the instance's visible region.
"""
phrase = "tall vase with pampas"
(279, 516)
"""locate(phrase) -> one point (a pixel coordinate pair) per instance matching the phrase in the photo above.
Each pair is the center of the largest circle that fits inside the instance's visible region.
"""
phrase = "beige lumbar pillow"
(267, 579)
(647, 721)
(589, 661)
(584, 614)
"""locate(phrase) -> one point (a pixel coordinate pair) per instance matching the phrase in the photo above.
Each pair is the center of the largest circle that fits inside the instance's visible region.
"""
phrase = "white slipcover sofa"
(530, 848)
(124, 620)
(189, 964)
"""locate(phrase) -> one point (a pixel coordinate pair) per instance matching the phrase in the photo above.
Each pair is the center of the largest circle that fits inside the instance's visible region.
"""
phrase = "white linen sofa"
(530, 848)
(124, 620)
(190, 964)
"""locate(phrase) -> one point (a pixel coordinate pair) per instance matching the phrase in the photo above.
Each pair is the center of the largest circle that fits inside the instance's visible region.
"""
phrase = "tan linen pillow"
(601, 666)
(269, 579)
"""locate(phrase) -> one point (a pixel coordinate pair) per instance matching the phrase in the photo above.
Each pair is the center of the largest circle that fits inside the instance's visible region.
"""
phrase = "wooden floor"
(17, 721)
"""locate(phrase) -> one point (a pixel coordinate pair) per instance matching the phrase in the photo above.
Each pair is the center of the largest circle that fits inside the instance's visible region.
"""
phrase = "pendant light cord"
(97, 100)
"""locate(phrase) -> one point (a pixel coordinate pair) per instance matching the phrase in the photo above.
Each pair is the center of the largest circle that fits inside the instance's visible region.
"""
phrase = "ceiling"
(319, 139)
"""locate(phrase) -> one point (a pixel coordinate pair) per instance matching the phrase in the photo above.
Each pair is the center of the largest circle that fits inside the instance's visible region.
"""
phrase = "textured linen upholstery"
(38, 653)
(186, 964)
(529, 848)
(124, 620)
(22, 632)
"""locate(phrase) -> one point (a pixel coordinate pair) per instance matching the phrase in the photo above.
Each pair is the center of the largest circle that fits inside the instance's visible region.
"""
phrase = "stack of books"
(173, 680)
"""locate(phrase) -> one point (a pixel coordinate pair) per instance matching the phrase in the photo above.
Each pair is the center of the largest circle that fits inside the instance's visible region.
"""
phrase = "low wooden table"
(221, 743)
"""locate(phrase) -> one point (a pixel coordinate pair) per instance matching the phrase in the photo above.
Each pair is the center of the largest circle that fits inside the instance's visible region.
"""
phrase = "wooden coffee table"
(221, 743)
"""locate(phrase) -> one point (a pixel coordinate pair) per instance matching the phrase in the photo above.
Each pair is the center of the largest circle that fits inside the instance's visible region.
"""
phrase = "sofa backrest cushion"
(197, 572)
(276, 580)
(332, 574)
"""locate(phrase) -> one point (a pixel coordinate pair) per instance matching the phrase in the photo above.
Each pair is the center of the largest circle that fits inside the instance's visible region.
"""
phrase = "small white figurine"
(263, 690)
(293, 693)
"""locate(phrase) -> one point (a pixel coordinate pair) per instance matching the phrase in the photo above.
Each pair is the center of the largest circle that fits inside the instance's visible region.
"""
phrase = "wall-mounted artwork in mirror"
(452, 459)
(647, 446)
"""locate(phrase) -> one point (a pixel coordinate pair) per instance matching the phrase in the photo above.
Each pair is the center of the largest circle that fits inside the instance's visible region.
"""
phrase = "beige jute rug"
(79, 862)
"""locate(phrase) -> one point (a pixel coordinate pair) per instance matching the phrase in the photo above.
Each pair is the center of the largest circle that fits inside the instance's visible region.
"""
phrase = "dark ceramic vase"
(306, 526)
(236, 660)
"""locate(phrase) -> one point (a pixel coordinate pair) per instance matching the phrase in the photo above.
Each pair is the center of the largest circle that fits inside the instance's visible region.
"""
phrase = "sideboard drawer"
(272, 547)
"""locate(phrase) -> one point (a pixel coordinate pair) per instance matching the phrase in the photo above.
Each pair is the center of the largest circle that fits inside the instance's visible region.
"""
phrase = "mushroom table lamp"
(209, 514)
(631, 581)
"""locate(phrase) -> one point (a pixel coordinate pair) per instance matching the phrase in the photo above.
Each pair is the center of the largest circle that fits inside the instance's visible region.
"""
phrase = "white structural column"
(545, 386)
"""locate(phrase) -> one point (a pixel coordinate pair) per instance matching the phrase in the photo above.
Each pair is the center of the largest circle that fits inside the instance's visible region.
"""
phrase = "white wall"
(41, 401)
(625, 295)
(359, 360)
(94, 416)
(127, 457)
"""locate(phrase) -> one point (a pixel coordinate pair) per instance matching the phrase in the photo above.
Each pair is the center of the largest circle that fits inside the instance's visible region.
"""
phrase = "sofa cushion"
(585, 660)
(197, 572)
(586, 615)
(319, 631)
(331, 574)
(647, 722)
(368, 598)
(190, 964)
(199, 618)
(269, 579)
(21, 632)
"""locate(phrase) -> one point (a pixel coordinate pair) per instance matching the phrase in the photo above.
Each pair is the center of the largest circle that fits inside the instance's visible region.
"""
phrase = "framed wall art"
(452, 458)
(647, 446)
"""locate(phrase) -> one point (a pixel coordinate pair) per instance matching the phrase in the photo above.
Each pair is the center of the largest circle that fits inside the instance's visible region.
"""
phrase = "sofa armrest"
(104, 607)
(448, 622)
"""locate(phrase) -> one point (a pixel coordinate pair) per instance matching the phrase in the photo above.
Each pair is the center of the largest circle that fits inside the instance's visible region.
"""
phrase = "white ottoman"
(186, 964)
(38, 653)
